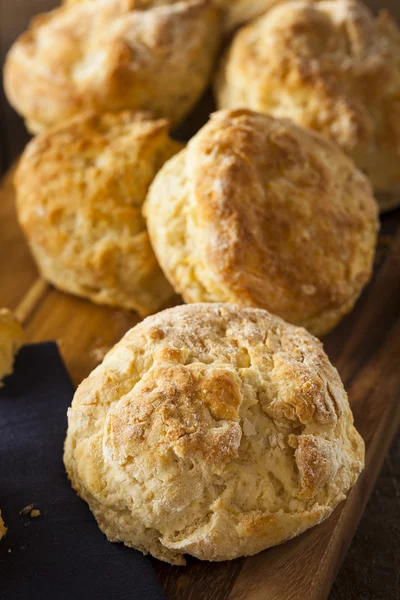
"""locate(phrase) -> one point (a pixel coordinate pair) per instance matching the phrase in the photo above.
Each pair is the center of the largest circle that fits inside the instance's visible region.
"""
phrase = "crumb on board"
(30, 510)
(3, 528)
(26, 510)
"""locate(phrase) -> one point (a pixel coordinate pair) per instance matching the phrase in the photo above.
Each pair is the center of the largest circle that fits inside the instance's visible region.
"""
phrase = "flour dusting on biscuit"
(258, 211)
(213, 431)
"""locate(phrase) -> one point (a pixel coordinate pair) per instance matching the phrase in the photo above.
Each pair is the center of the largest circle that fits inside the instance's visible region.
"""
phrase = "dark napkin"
(60, 554)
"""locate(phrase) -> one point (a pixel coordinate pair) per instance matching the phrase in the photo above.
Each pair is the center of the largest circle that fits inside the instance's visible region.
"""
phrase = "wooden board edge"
(31, 300)
(357, 501)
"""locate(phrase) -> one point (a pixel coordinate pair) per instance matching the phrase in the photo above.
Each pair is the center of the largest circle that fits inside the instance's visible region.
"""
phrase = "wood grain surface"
(365, 348)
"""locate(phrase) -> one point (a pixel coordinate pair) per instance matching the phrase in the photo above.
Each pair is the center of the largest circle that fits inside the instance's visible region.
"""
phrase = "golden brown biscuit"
(11, 339)
(330, 66)
(213, 431)
(260, 212)
(80, 189)
(113, 55)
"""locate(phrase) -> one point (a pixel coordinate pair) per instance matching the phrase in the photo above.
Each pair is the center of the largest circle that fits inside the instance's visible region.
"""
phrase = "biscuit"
(258, 211)
(11, 339)
(113, 55)
(79, 194)
(330, 66)
(213, 431)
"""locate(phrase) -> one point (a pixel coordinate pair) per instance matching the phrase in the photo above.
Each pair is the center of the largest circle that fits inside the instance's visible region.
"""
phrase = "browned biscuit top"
(214, 431)
(331, 66)
(112, 55)
(80, 189)
(274, 216)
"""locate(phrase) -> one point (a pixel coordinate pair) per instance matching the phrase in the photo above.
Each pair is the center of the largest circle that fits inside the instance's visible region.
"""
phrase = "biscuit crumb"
(26, 510)
(35, 512)
(3, 528)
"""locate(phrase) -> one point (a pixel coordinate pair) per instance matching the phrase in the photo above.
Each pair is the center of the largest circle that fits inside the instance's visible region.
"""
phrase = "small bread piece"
(213, 431)
(113, 55)
(79, 190)
(3, 528)
(331, 66)
(258, 211)
(11, 340)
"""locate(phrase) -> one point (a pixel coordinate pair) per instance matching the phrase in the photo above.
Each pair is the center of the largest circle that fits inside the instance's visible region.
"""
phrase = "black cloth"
(61, 554)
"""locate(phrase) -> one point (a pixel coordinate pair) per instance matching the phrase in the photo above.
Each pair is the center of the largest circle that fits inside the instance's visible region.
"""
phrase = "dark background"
(371, 569)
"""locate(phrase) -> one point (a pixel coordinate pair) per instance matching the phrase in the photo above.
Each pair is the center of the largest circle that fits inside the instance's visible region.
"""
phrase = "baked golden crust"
(11, 339)
(237, 12)
(110, 56)
(213, 431)
(330, 66)
(258, 211)
(79, 192)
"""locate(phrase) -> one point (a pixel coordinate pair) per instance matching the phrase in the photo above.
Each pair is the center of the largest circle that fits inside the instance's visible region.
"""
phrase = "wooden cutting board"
(365, 348)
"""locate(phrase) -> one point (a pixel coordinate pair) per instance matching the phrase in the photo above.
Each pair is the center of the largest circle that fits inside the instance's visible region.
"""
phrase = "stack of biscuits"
(217, 428)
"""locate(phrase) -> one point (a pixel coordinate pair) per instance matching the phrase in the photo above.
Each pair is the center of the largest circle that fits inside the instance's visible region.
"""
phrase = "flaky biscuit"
(213, 431)
(258, 211)
(11, 339)
(113, 55)
(79, 193)
(330, 66)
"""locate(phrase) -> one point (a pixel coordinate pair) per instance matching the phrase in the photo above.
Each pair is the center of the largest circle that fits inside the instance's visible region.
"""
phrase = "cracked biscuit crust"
(331, 66)
(79, 193)
(113, 55)
(260, 212)
(213, 431)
